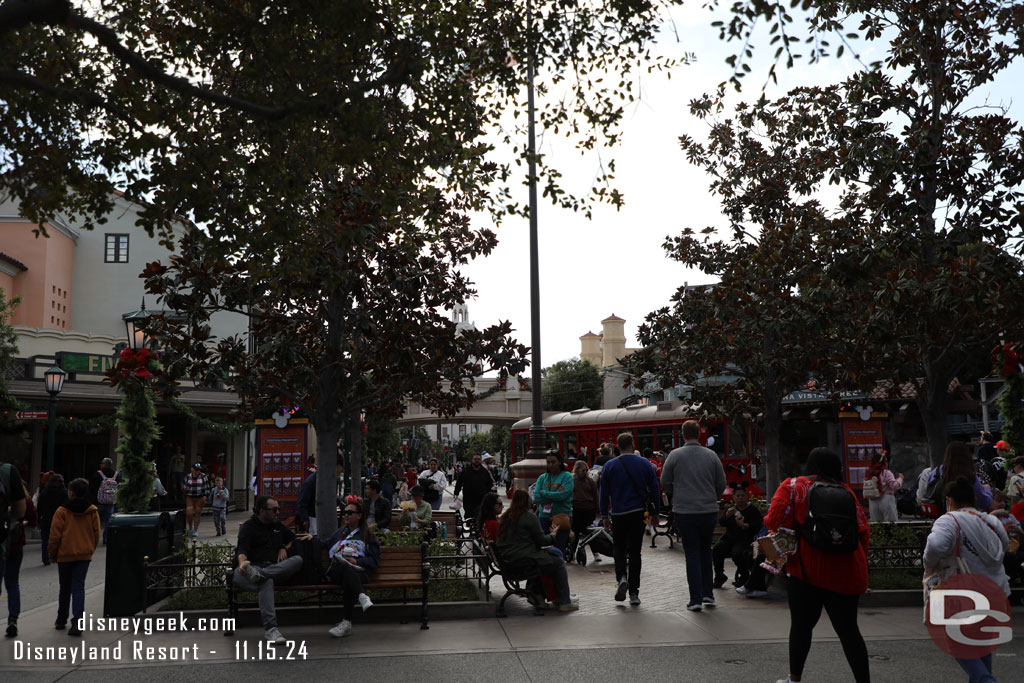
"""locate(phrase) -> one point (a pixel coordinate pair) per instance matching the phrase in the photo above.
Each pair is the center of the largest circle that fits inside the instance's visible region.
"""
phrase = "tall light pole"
(54, 382)
(527, 471)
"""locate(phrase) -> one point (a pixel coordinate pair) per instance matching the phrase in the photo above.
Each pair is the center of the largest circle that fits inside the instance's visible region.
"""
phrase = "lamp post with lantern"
(54, 382)
(136, 416)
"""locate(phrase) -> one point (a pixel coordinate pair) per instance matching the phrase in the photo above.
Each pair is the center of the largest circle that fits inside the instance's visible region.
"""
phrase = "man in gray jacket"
(694, 478)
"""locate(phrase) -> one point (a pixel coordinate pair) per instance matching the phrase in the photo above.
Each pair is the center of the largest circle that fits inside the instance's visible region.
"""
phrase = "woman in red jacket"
(819, 578)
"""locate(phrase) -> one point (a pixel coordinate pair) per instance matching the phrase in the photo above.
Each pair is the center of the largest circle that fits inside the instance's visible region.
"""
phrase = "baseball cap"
(197, 466)
(1002, 445)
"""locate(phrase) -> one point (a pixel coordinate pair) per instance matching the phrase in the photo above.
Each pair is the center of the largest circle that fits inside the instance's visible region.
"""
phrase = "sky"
(615, 263)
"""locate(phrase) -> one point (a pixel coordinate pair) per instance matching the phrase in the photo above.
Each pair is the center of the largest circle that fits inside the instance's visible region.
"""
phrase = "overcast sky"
(615, 263)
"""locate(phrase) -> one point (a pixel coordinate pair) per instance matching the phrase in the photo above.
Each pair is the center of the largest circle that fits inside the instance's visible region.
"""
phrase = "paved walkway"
(741, 639)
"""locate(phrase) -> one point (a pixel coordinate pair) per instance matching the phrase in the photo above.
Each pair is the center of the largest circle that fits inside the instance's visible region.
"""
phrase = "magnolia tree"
(916, 239)
(346, 316)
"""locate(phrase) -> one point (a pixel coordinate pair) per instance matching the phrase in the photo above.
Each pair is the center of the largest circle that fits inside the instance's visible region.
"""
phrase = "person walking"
(694, 479)
(19, 512)
(73, 539)
(584, 504)
(978, 538)
(883, 508)
(832, 578)
(553, 496)
(434, 482)
(474, 483)
(627, 483)
(197, 487)
(102, 491)
(53, 495)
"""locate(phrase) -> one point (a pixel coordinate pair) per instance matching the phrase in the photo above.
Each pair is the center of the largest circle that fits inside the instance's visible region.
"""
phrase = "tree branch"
(85, 98)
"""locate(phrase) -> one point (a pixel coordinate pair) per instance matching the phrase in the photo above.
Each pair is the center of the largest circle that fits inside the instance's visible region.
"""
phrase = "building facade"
(74, 287)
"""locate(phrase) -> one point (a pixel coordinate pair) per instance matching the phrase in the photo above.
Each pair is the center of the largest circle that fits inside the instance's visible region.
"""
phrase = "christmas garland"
(217, 426)
(1006, 360)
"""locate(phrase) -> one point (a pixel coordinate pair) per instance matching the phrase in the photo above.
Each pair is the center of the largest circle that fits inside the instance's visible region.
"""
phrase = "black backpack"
(933, 502)
(831, 523)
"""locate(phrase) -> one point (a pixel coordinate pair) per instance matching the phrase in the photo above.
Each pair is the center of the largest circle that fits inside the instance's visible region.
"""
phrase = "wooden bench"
(400, 567)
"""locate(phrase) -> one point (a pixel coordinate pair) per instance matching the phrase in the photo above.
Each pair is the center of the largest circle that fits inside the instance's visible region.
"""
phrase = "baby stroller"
(599, 541)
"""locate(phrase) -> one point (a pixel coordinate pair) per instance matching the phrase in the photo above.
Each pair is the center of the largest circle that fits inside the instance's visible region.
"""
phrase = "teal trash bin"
(130, 538)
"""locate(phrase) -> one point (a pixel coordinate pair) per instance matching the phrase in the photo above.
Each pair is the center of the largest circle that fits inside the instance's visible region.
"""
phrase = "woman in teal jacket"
(553, 496)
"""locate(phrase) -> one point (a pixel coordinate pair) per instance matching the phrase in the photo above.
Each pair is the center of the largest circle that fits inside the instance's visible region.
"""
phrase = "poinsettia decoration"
(1006, 359)
(133, 366)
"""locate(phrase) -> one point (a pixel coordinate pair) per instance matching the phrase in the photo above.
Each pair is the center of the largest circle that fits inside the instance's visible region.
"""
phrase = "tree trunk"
(326, 482)
(772, 435)
(355, 456)
(934, 403)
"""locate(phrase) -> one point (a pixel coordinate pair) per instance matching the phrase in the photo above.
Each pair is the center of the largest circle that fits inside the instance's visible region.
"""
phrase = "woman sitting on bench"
(520, 539)
(354, 552)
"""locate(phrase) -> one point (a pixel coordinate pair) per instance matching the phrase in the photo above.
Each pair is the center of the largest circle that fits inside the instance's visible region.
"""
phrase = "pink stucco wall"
(45, 288)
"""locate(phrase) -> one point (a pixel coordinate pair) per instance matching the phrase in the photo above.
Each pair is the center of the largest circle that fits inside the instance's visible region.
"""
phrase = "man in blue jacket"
(627, 483)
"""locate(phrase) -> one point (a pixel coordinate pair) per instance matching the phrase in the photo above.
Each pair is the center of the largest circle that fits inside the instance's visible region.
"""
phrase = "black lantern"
(54, 380)
(134, 323)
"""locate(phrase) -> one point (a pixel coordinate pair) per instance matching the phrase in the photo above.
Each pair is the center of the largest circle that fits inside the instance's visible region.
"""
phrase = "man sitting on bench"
(262, 557)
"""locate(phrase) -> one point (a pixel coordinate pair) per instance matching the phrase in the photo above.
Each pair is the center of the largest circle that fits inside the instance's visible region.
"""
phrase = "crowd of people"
(73, 519)
(814, 531)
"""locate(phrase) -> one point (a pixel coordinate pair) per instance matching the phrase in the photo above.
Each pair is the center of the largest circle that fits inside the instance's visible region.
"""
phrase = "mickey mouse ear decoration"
(743, 470)
(733, 484)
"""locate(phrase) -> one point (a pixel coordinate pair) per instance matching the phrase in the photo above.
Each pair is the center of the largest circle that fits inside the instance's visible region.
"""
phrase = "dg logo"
(968, 616)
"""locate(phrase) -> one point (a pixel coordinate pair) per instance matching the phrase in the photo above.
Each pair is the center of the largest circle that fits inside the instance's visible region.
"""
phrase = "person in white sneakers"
(354, 552)
(262, 554)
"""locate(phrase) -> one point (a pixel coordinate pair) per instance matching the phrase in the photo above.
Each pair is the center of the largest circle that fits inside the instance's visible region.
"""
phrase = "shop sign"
(86, 363)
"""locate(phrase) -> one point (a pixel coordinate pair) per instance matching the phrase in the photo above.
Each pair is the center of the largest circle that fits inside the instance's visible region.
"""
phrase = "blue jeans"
(72, 589)
(561, 538)
(105, 512)
(436, 505)
(10, 568)
(559, 573)
(696, 532)
(978, 670)
(44, 535)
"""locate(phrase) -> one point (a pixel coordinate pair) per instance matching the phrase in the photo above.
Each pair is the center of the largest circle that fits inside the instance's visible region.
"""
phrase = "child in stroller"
(598, 540)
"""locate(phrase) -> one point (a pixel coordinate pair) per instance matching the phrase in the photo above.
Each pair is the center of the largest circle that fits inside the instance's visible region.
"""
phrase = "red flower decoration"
(143, 373)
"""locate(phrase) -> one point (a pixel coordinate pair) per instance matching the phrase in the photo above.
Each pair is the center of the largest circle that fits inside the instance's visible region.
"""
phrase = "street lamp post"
(54, 381)
(528, 470)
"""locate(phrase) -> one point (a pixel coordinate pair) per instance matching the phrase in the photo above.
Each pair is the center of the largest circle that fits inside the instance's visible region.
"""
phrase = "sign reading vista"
(86, 363)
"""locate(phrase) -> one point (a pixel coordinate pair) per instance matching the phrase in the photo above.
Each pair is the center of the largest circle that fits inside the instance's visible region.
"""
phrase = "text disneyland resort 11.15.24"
(133, 647)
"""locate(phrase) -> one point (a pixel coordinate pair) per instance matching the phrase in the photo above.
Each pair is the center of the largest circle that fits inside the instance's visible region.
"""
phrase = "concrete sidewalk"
(737, 624)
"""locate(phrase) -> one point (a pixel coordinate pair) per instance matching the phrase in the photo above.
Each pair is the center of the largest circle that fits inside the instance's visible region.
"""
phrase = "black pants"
(351, 580)
(742, 556)
(805, 603)
(758, 579)
(581, 519)
(628, 534)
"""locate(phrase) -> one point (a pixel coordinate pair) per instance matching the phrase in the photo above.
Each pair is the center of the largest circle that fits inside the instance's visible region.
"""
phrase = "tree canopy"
(571, 384)
(217, 111)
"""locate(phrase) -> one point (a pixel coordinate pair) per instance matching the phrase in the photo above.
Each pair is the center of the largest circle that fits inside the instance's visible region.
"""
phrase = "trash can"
(178, 536)
(130, 538)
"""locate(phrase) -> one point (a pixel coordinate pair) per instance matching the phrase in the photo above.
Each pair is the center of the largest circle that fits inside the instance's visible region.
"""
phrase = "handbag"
(948, 567)
(870, 489)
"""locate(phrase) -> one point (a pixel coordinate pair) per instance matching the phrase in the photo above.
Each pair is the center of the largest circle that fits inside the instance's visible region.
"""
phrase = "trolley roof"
(667, 410)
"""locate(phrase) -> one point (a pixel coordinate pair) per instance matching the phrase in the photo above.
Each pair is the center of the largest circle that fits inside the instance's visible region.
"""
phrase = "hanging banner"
(861, 440)
(281, 457)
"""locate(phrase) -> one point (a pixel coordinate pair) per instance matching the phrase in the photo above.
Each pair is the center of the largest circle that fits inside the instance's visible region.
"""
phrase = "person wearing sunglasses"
(354, 552)
(262, 558)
